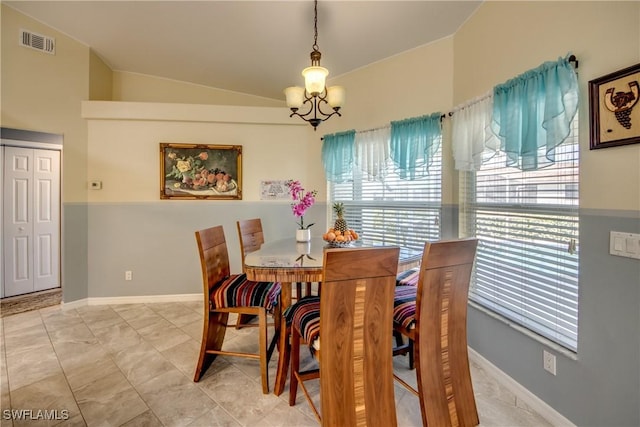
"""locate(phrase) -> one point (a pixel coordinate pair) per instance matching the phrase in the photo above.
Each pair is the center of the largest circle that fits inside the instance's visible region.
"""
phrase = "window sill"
(539, 338)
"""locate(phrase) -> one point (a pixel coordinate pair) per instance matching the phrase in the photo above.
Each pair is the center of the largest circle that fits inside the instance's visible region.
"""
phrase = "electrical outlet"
(128, 275)
(549, 362)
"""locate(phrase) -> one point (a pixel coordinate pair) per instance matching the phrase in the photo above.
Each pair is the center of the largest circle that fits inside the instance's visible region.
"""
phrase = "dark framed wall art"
(200, 171)
(614, 110)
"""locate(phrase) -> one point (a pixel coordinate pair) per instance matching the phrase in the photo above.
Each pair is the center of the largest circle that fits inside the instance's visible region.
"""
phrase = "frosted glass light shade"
(295, 96)
(314, 79)
(335, 96)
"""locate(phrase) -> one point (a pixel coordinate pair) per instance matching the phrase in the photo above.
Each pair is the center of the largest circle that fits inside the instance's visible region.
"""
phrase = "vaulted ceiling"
(253, 47)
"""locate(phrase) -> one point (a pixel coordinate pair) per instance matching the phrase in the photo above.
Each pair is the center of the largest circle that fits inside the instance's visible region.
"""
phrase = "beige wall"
(414, 83)
(411, 84)
(124, 143)
(42, 92)
(1, 58)
(46, 91)
(144, 88)
(100, 79)
(504, 39)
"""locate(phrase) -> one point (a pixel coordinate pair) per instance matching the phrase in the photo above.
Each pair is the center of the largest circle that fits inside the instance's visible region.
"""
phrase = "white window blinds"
(527, 223)
(394, 212)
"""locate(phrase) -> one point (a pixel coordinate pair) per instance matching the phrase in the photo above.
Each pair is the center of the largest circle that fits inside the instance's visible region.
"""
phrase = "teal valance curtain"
(337, 156)
(413, 144)
(532, 113)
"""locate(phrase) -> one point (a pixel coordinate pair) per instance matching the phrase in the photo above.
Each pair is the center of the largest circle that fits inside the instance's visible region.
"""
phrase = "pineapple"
(340, 224)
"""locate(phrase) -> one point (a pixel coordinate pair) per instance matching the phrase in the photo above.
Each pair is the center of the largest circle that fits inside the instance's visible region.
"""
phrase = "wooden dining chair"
(433, 316)
(226, 293)
(251, 239)
(353, 318)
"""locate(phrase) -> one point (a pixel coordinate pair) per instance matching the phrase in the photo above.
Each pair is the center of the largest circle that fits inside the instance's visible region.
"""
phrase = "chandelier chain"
(315, 25)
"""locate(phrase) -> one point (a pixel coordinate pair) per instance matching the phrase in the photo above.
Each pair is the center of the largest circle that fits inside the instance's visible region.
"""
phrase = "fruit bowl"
(340, 239)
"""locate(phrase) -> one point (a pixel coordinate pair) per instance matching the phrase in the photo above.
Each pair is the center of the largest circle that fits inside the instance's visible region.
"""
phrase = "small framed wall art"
(200, 171)
(274, 190)
(614, 110)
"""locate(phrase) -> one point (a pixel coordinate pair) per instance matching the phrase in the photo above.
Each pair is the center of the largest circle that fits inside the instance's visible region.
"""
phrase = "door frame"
(37, 140)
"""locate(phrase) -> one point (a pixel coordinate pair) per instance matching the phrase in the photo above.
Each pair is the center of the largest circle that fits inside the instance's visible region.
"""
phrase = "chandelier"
(315, 94)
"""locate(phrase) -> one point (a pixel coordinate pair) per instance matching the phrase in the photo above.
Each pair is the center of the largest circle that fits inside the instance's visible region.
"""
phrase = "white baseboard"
(530, 399)
(141, 299)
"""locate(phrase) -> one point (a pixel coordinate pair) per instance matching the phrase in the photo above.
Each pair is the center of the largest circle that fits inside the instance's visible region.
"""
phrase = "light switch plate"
(95, 185)
(624, 244)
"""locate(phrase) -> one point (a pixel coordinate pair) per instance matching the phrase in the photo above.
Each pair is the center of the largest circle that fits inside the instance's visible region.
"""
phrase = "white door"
(46, 219)
(31, 220)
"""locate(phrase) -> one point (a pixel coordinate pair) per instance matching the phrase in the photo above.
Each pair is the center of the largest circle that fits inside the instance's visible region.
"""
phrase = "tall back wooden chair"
(353, 319)
(250, 235)
(226, 293)
(251, 239)
(433, 315)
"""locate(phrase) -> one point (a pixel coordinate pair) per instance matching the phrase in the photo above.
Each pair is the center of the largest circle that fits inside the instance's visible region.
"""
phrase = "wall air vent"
(38, 42)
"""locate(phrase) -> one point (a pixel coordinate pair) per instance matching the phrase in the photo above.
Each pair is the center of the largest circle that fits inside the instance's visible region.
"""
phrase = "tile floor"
(132, 365)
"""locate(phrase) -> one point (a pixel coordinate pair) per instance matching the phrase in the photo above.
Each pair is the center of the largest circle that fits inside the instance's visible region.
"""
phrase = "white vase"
(303, 235)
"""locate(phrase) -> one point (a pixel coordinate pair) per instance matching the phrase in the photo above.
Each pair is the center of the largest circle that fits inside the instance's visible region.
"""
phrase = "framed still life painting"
(200, 171)
(614, 110)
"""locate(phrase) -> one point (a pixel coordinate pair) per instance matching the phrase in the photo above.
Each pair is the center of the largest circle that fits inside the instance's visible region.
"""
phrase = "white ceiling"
(254, 47)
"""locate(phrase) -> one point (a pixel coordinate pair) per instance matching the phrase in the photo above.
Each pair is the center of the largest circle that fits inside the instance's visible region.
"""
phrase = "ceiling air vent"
(38, 42)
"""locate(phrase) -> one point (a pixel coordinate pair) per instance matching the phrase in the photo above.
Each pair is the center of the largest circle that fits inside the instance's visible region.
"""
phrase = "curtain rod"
(366, 130)
(572, 59)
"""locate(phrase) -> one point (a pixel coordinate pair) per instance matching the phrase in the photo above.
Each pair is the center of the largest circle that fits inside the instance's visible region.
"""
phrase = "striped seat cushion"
(237, 291)
(304, 315)
(404, 306)
(408, 277)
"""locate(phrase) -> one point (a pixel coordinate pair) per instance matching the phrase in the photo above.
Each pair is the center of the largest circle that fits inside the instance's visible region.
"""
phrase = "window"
(527, 224)
(395, 212)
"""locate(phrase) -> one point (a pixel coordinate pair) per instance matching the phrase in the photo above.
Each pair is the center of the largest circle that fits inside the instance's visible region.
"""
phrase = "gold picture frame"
(614, 108)
(200, 171)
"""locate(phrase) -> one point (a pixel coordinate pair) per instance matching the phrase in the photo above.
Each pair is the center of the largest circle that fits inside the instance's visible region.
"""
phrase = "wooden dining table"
(288, 262)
